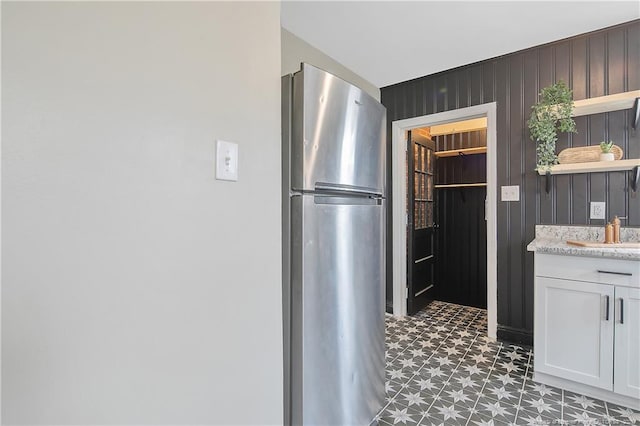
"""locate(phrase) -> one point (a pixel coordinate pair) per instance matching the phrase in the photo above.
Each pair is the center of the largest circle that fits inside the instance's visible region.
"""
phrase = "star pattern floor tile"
(441, 369)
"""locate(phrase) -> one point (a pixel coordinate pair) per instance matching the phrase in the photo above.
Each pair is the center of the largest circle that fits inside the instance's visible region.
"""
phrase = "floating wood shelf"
(464, 151)
(597, 105)
(608, 103)
(460, 185)
(592, 167)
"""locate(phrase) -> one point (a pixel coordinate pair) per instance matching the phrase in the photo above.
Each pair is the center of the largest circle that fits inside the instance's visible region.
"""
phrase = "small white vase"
(606, 156)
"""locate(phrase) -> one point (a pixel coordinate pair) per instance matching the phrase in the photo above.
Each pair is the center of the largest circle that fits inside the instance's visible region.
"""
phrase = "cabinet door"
(574, 331)
(627, 342)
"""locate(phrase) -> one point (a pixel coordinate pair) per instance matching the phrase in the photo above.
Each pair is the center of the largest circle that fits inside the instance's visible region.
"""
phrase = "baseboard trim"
(625, 401)
(515, 335)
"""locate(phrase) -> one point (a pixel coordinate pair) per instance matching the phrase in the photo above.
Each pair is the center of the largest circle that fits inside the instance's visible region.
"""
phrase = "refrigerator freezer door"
(337, 320)
(338, 133)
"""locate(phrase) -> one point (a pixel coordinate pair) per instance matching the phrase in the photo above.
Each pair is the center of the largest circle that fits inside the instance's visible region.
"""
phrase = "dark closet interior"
(461, 236)
(446, 225)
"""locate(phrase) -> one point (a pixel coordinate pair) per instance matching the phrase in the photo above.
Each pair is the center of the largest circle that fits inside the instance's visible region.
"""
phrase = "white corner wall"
(296, 50)
(136, 288)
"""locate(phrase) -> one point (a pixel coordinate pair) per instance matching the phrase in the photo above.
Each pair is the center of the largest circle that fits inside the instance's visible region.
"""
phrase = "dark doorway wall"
(595, 64)
(461, 232)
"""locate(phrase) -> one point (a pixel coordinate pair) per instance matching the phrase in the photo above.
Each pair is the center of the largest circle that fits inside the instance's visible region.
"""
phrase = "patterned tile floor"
(443, 370)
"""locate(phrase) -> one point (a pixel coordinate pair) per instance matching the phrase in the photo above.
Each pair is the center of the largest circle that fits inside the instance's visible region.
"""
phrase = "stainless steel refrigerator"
(334, 250)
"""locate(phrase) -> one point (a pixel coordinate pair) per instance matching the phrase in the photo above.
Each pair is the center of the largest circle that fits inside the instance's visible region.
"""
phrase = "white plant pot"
(606, 156)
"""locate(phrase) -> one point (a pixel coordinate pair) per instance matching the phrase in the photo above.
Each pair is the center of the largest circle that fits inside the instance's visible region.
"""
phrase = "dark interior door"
(421, 254)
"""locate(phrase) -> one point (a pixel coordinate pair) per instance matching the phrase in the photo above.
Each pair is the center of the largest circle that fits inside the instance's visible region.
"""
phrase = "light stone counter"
(552, 239)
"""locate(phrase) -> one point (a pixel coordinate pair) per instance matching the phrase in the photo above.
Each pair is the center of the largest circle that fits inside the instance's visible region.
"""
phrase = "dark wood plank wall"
(461, 235)
(471, 139)
(461, 241)
(461, 168)
(594, 64)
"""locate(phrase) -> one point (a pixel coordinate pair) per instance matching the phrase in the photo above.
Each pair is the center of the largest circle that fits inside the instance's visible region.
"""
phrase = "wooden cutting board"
(594, 244)
(586, 154)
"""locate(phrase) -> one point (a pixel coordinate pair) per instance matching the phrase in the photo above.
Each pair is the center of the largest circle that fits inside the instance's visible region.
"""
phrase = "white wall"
(136, 288)
(296, 50)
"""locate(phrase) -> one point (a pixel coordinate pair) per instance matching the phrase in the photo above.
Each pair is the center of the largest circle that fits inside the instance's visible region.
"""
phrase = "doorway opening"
(415, 234)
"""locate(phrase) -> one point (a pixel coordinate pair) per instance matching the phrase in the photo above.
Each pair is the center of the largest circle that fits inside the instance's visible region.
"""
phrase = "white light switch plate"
(511, 193)
(227, 160)
(597, 210)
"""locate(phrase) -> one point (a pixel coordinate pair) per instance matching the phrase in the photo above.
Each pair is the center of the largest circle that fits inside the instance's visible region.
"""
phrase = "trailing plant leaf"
(552, 114)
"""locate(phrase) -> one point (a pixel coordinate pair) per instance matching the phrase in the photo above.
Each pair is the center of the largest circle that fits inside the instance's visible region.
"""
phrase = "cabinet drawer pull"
(606, 308)
(628, 274)
(621, 311)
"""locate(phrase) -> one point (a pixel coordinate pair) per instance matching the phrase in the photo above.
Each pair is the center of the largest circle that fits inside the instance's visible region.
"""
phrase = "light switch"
(226, 160)
(511, 193)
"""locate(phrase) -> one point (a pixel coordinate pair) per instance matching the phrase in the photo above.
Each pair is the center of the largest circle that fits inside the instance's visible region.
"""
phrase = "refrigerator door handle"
(352, 190)
(348, 201)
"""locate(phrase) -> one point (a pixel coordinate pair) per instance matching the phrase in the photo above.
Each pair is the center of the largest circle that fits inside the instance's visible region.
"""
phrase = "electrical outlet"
(598, 210)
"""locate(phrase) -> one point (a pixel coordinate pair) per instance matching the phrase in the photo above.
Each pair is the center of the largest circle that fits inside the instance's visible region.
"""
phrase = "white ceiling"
(391, 42)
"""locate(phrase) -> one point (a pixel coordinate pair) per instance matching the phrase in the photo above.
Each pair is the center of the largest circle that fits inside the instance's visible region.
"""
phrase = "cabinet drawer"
(597, 270)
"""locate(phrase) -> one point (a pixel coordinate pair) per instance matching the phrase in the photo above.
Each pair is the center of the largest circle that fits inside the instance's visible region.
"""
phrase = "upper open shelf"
(464, 151)
(460, 185)
(607, 103)
(592, 167)
(600, 104)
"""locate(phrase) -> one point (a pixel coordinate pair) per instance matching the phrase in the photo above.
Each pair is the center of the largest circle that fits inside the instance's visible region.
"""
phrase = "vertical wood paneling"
(419, 89)
(530, 193)
(545, 78)
(579, 68)
(595, 64)
(633, 56)
(451, 91)
(439, 94)
(401, 101)
(562, 189)
(476, 81)
(597, 128)
(461, 169)
(464, 88)
(516, 70)
(431, 106)
(500, 90)
(499, 87)
(616, 61)
(579, 76)
(597, 71)
(412, 96)
(597, 181)
(580, 182)
(616, 82)
(462, 246)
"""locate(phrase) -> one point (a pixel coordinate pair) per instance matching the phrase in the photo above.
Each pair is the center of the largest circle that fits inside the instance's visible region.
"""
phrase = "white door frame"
(399, 172)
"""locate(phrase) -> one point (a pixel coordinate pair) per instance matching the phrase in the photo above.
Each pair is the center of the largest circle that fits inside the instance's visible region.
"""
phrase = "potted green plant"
(552, 114)
(606, 154)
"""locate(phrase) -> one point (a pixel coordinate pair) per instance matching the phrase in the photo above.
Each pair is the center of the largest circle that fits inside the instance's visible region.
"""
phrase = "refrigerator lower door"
(337, 312)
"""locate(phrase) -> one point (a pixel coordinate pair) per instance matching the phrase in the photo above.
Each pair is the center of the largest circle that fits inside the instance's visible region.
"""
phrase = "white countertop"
(552, 239)
(554, 246)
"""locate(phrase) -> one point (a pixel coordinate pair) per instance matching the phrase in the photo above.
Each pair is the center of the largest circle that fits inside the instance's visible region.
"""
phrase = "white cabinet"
(587, 326)
(627, 342)
(574, 333)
